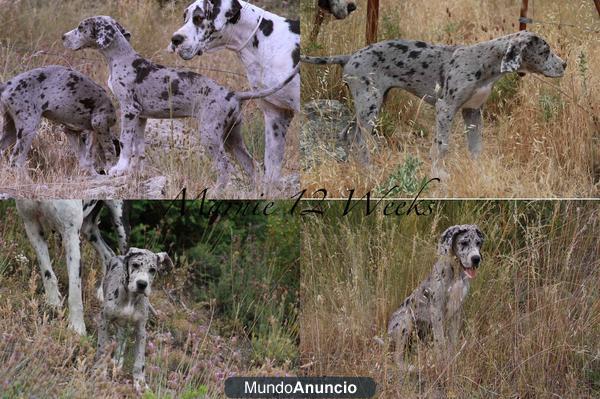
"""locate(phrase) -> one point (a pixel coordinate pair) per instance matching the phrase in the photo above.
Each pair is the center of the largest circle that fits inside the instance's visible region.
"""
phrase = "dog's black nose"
(141, 285)
(564, 64)
(177, 40)
(475, 259)
(63, 37)
(351, 7)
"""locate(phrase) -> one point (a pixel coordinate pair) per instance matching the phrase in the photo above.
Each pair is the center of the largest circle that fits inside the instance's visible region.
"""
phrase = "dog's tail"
(336, 59)
(251, 95)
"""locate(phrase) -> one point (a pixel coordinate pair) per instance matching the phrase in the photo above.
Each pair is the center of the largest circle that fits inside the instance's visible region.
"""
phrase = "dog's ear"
(123, 31)
(163, 262)
(479, 234)
(447, 239)
(132, 252)
(511, 62)
(105, 30)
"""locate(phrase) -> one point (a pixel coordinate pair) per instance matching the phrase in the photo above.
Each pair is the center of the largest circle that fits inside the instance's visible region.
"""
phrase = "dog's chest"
(479, 96)
(129, 313)
(457, 292)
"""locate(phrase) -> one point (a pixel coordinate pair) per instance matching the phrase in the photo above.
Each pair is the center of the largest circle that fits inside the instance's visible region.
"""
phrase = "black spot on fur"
(266, 26)
(425, 65)
(41, 77)
(234, 13)
(130, 116)
(45, 106)
(421, 44)
(414, 54)
(478, 74)
(116, 293)
(398, 46)
(294, 25)
(143, 68)
(88, 103)
(296, 55)
(47, 274)
(229, 95)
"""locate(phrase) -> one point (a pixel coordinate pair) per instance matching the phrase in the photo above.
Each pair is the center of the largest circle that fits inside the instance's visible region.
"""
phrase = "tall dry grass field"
(540, 134)
(531, 318)
(30, 37)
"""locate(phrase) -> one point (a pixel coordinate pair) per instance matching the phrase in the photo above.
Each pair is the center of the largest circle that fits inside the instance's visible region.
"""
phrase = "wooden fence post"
(597, 3)
(372, 19)
(524, 6)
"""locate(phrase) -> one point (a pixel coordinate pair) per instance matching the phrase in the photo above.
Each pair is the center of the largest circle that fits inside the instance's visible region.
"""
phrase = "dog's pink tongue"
(471, 272)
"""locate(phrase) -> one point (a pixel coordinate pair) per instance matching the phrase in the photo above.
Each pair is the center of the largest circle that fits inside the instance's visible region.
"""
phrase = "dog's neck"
(120, 48)
(239, 37)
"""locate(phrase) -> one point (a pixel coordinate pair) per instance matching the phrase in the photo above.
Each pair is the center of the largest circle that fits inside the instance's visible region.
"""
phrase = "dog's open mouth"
(471, 272)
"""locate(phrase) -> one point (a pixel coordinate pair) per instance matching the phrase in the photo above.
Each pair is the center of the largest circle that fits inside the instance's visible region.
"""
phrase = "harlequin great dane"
(269, 48)
(70, 218)
(452, 78)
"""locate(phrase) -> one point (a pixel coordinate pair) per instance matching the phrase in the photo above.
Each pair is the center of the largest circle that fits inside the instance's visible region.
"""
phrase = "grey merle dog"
(268, 46)
(128, 284)
(148, 90)
(435, 305)
(452, 78)
(61, 95)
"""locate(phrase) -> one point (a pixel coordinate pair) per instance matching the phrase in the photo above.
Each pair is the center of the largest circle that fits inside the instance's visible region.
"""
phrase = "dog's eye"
(152, 270)
(135, 266)
(197, 20)
(464, 244)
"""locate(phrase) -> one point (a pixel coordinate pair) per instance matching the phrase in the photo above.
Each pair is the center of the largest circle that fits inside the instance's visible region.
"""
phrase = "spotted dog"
(148, 90)
(452, 78)
(128, 283)
(435, 306)
(70, 218)
(340, 9)
(269, 48)
(64, 96)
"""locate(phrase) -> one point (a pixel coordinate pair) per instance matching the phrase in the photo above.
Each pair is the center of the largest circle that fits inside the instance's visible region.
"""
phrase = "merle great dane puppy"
(269, 48)
(453, 78)
(128, 284)
(148, 90)
(65, 96)
(435, 305)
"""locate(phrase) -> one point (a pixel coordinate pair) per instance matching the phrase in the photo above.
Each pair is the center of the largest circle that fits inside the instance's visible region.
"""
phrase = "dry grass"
(541, 135)
(531, 316)
(30, 37)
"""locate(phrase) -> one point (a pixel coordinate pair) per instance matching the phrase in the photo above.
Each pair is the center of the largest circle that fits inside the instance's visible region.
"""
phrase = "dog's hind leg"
(234, 144)
(277, 122)
(35, 233)
(474, 127)
(400, 329)
(368, 99)
(9, 133)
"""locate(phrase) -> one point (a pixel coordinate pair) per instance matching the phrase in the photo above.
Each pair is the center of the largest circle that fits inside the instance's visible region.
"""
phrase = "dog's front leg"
(119, 357)
(129, 128)
(102, 336)
(437, 324)
(139, 381)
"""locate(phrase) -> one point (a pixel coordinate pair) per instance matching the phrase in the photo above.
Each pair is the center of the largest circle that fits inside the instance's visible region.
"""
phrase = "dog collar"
(260, 19)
